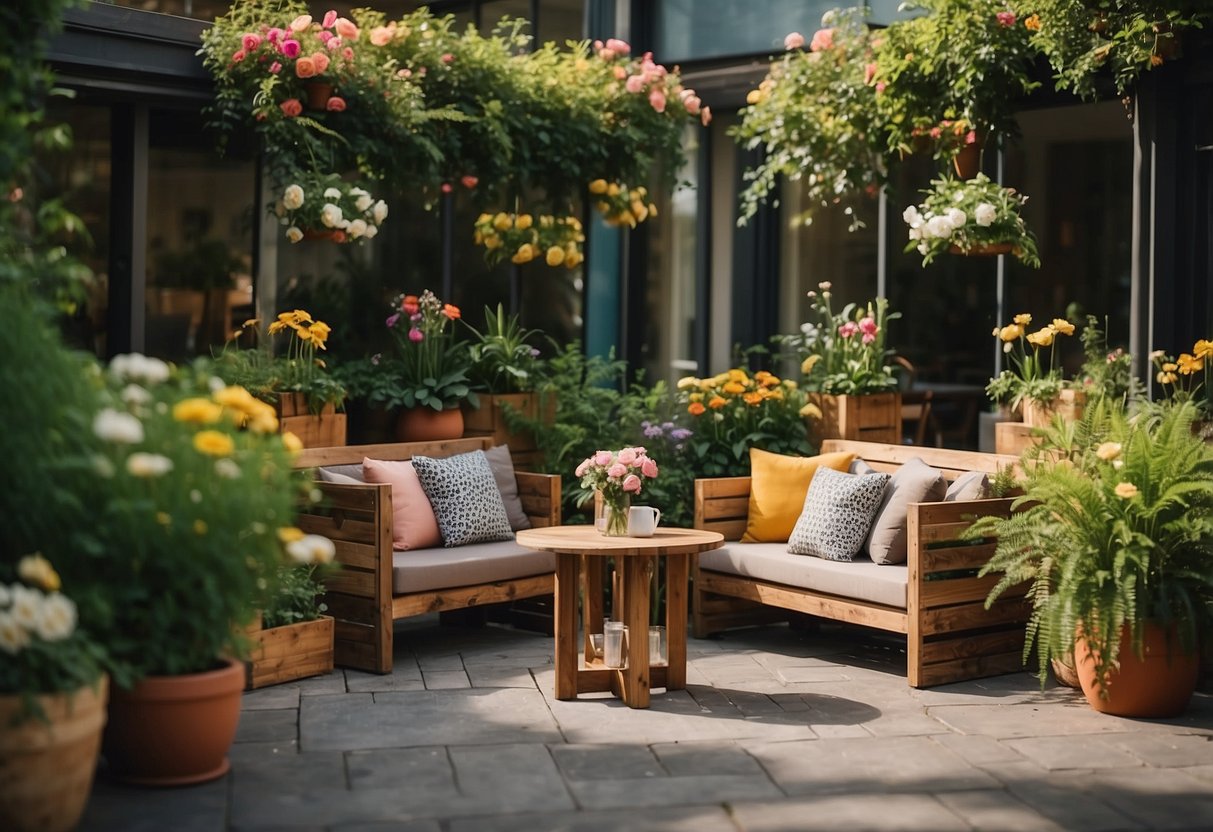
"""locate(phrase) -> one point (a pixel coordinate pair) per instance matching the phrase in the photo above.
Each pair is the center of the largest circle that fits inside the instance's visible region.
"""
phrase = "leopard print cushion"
(465, 498)
(838, 512)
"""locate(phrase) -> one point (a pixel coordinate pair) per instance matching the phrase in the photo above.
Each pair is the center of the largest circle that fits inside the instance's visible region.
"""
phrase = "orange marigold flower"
(717, 402)
(753, 399)
(696, 408)
(734, 388)
(450, 311)
(1032, 23)
(1203, 349)
(1189, 364)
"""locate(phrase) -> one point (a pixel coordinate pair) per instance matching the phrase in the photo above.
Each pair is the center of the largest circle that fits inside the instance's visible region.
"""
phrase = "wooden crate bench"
(951, 636)
(358, 519)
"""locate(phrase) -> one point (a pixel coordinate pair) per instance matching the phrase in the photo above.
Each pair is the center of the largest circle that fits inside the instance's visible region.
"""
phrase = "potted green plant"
(429, 378)
(814, 115)
(292, 637)
(1033, 384)
(1113, 535)
(845, 369)
(1105, 373)
(970, 217)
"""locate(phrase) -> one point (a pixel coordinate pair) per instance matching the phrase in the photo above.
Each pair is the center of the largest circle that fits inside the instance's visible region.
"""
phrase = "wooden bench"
(358, 519)
(951, 636)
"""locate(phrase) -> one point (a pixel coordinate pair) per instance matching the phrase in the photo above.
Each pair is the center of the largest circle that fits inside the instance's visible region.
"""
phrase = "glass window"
(696, 29)
(560, 21)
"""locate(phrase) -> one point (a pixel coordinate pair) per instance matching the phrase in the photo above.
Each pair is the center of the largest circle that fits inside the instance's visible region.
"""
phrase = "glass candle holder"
(612, 643)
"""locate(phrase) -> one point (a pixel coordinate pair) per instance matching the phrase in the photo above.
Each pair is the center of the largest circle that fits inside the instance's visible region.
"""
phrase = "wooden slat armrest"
(721, 500)
(540, 494)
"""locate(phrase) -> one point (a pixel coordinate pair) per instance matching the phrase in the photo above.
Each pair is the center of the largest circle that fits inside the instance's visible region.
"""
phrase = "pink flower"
(935, 132)
(415, 335)
(274, 35)
(635, 83)
(705, 116)
(627, 456)
(325, 36)
(649, 468)
(301, 22)
(618, 46)
(335, 104)
(250, 42)
(448, 58)
(447, 187)
(238, 56)
(583, 467)
(321, 61)
(631, 483)
(468, 181)
(880, 85)
(657, 100)
(794, 40)
(392, 320)
(693, 104)
(1006, 19)
(347, 29)
(606, 54)
(868, 338)
(848, 329)
(619, 72)
(347, 53)
(869, 72)
(381, 36)
(868, 326)
(275, 68)
(617, 470)
(333, 44)
(603, 458)
(291, 107)
(971, 137)
(330, 17)
(305, 68)
(338, 236)
(822, 39)
(290, 48)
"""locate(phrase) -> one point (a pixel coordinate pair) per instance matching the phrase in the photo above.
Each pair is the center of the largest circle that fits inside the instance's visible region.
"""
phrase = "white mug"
(643, 520)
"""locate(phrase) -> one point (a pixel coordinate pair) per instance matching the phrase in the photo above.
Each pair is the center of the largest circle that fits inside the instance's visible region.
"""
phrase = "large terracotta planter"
(1154, 686)
(47, 765)
(872, 418)
(174, 730)
(424, 424)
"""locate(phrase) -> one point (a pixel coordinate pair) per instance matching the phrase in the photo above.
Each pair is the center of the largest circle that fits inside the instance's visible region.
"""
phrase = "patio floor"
(778, 729)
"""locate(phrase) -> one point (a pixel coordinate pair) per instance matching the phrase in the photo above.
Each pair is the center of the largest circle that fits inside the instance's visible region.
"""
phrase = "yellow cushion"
(778, 485)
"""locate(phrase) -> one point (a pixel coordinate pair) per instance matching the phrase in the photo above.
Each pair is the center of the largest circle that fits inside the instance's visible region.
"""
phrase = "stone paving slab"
(671, 791)
(421, 772)
(606, 762)
(268, 726)
(115, 807)
(997, 809)
(694, 819)
(1084, 751)
(875, 813)
(700, 758)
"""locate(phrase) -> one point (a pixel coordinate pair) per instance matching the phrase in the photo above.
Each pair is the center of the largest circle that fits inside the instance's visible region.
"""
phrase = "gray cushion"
(913, 482)
(971, 486)
(425, 570)
(837, 514)
(860, 579)
(345, 474)
(465, 498)
(860, 467)
(507, 483)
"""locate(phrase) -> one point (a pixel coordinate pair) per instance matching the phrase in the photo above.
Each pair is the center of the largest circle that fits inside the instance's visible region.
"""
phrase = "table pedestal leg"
(637, 574)
(676, 576)
(566, 625)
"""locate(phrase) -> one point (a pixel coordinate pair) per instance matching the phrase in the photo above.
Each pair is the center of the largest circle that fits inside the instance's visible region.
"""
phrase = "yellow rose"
(502, 222)
(613, 189)
(492, 241)
(640, 210)
(753, 97)
(752, 399)
(289, 534)
(213, 443)
(598, 186)
(1063, 326)
(738, 376)
(525, 254)
(524, 222)
(734, 388)
(1126, 490)
(292, 442)
(555, 256)
(197, 411)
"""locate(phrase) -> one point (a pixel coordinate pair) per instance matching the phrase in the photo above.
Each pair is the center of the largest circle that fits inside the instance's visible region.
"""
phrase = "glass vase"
(611, 518)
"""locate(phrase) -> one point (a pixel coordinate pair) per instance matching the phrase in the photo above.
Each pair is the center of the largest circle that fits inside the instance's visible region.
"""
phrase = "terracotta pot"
(326, 234)
(988, 250)
(174, 730)
(47, 765)
(318, 94)
(1154, 686)
(967, 161)
(424, 424)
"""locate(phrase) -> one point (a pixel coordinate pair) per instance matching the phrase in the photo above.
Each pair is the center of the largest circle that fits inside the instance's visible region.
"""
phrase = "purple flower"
(681, 434)
(534, 352)
(651, 431)
(392, 319)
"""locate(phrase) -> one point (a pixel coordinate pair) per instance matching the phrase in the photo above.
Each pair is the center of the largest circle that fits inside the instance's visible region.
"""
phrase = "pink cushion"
(413, 523)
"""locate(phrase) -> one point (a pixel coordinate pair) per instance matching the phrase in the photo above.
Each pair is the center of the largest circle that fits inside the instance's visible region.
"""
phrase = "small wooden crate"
(325, 429)
(489, 420)
(293, 651)
(1069, 404)
(872, 418)
(1013, 438)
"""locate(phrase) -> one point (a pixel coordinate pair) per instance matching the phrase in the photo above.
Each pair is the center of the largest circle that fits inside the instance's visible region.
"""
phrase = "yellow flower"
(502, 222)
(695, 397)
(289, 534)
(809, 363)
(738, 376)
(1108, 451)
(709, 384)
(1203, 349)
(1063, 326)
(1170, 367)
(162, 517)
(717, 402)
(1189, 364)
(810, 411)
(199, 527)
(213, 443)
(1023, 319)
(753, 399)
(320, 333)
(525, 254)
(524, 222)
(292, 442)
(598, 186)
(1032, 23)
(278, 326)
(1167, 378)
(555, 256)
(1126, 490)
(734, 388)
(197, 411)
(492, 241)
(262, 418)
(1010, 332)
(235, 397)
(37, 571)
(687, 382)
(1042, 338)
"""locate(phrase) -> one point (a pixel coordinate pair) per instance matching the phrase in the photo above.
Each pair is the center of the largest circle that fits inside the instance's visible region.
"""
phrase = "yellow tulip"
(809, 363)
(1010, 332)
(502, 222)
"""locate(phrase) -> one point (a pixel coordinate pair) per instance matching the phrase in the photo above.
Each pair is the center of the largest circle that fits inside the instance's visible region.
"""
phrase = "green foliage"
(298, 597)
(1106, 373)
(503, 358)
(1029, 376)
(1115, 527)
(431, 366)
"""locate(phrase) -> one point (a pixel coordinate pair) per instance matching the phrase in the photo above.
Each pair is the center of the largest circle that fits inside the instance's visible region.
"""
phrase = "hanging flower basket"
(982, 250)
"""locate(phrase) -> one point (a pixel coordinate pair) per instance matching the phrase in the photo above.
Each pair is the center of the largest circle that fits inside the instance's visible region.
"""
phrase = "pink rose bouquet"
(617, 475)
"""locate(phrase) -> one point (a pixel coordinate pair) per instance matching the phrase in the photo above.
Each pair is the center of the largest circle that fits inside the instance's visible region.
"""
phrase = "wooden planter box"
(873, 418)
(325, 429)
(489, 420)
(293, 651)
(1069, 404)
(1013, 438)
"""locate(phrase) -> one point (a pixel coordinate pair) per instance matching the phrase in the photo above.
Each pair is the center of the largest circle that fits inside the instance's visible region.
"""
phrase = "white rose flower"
(56, 618)
(330, 215)
(227, 468)
(364, 202)
(134, 394)
(915, 233)
(148, 465)
(136, 367)
(27, 604)
(311, 548)
(985, 214)
(294, 234)
(215, 384)
(332, 193)
(358, 192)
(960, 197)
(292, 197)
(357, 228)
(371, 231)
(957, 217)
(379, 212)
(13, 636)
(938, 227)
(344, 224)
(923, 248)
(911, 215)
(114, 426)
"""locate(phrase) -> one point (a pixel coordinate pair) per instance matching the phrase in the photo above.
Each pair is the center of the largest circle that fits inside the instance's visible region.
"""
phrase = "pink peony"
(1006, 19)
(321, 61)
(628, 456)
(794, 40)
(290, 48)
(250, 42)
(238, 56)
(618, 46)
(649, 468)
(381, 36)
(334, 44)
(582, 468)
(330, 17)
(635, 83)
(274, 35)
(291, 107)
(868, 338)
(971, 137)
(631, 483)
(415, 335)
(347, 53)
(617, 470)
(619, 72)
(603, 458)
(657, 100)
(823, 39)
(705, 116)
(606, 54)
(347, 29)
(305, 68)
(301, 22)
(335, 104)
(275, 68)
(848, 329)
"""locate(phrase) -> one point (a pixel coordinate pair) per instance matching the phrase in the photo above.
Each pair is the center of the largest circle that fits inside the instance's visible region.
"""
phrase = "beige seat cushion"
(424, 570)
(859, 579)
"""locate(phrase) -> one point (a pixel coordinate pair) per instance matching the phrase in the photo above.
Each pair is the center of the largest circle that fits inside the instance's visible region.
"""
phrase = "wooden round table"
(637, 557)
